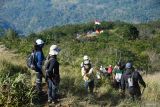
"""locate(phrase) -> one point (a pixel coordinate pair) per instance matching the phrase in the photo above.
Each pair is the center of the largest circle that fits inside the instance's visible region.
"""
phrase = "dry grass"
(152, 92)
(11, 57)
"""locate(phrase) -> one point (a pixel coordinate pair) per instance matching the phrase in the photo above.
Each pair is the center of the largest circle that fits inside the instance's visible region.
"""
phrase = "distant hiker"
(52, 74)
(88, 76)
(130, 82)
(38, 58)
(103, 70)
(98, 74)
(110, 69)
(117, 74)
(109, 72)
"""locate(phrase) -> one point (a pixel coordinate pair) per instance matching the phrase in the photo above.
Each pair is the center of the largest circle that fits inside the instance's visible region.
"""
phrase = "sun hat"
(39, 42)
(54, 50)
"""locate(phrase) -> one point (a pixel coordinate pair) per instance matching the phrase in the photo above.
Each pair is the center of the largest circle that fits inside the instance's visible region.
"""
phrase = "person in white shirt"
(88, 76)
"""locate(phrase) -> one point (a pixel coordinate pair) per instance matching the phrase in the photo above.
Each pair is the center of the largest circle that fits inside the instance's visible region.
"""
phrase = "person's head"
(38, 44)
(128, 65)
(85, 57)
(119, 63)
(54, 50)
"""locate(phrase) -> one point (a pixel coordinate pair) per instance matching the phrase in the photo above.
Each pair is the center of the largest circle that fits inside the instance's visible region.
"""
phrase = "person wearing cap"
(130, 81)
(85, 58)
(39, 57)
(117, 74)
(88, 76)
(52, 74)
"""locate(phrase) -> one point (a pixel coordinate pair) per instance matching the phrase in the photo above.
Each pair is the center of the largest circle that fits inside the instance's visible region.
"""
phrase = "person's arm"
(90, 71)
(51, 66)
(83, 72)
(141, 81)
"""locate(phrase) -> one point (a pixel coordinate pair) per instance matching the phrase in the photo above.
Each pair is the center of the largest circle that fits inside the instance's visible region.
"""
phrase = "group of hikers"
(52, 76)
(126, 78)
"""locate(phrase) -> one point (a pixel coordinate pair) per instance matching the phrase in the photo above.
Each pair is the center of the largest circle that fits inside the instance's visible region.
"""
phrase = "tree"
(128, 31)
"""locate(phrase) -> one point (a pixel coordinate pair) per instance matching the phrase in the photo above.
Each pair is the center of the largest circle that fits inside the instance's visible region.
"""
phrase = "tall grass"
(16, 88)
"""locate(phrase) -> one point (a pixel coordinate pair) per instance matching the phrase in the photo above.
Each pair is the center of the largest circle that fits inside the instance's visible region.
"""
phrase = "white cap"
(39, 42)
(54, 50)
(85, 57)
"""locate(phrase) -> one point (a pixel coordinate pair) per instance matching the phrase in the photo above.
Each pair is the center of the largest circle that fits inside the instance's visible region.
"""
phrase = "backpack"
(31, 61)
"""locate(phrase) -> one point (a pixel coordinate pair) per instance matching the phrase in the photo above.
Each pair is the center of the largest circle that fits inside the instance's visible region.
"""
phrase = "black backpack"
(31, 61)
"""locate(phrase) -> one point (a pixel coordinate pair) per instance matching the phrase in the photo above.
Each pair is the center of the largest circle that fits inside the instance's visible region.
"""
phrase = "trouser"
(116, 84)
(135, 93)
(52, 90)
(39, 82)
(89, 85)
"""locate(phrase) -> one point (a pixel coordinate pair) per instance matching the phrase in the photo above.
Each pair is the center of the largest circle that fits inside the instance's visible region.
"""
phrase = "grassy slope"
(72, 86)
(101, 51)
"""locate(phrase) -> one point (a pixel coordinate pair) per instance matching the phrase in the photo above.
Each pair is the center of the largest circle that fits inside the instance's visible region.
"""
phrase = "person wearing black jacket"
(52, 73)
(130, 81)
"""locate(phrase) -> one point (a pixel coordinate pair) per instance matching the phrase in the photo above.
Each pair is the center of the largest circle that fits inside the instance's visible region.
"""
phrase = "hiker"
(52, 74)
(117, 74)
(98, 74)
(110, 69)
(103, 70)
(130, 81)
(39, 58)
(88, 76)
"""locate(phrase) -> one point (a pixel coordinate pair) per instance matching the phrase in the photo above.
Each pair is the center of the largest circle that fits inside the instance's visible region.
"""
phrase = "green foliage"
(15, 85)
(117, 42)
(128, 31)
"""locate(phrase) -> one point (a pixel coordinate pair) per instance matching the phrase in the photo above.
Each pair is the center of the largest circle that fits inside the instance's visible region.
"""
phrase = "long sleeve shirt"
(52, 70)
(39, 60)
(137, 78)
(87, 75)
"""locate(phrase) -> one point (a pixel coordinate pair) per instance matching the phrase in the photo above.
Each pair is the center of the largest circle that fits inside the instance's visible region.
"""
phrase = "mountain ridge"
(33, 16)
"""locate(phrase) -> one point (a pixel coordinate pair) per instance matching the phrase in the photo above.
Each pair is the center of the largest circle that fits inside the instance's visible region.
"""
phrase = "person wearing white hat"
(52, 73)
(39, 58)
(87, 73)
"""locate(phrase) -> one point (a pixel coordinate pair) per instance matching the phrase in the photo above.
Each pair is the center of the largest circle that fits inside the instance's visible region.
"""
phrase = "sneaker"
(49, 101)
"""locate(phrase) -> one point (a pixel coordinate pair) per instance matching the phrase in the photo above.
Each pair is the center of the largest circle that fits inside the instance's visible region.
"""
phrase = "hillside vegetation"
(36, 15)
(119, 41)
